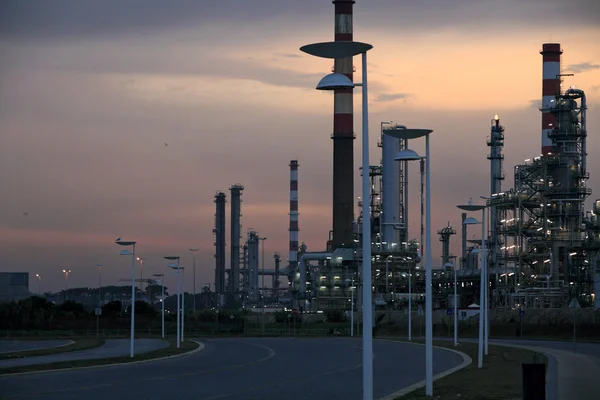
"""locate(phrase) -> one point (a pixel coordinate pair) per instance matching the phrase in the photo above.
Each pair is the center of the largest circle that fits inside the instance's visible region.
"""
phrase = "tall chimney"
(550, 88)
(293, 256)
(343, 136)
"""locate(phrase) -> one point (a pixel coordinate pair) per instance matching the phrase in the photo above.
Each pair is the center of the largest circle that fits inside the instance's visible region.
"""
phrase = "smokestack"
(343, 136)
(236, 214)
(293, 257)
(219, 232)
(550, 88)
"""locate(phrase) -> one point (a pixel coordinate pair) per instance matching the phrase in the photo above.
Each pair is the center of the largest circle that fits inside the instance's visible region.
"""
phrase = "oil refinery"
(542, 246)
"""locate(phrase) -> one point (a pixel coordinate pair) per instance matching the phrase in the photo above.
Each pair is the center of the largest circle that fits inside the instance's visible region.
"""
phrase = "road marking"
(270, 351)
(466, 362)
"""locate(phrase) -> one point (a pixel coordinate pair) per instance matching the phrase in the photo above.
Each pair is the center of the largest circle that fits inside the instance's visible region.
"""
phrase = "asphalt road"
(236, 369)
(13, 346)
(112, 348)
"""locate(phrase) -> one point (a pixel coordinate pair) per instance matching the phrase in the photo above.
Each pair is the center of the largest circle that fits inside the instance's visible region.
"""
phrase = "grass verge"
(499, 379)
(79, 344)
(171, 350)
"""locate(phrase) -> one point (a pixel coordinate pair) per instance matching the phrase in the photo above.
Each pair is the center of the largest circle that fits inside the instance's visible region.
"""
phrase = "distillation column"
(445, 234)
(236, 214)
(276, 281)
(293, 255)
(219, 232)
(496, 143)
(343, 136)
(253, 258)
(391, 194)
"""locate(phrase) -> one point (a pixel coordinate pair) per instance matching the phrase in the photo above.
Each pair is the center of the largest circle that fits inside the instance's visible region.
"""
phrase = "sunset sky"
(91, 90)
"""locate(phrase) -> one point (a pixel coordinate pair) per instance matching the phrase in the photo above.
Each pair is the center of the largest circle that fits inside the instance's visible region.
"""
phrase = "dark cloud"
(75, 19)
(582, 67)
(393, 96)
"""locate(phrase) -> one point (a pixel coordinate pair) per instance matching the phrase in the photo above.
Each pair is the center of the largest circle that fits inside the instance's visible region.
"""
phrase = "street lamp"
(39, 278)
(176, 267)
(483, 280)
(66, 272)
(410, 155)
(126, 253)
(262, 260)
(162, 301)
(345, 49)
(351, 283)
(449, 265)
(194, 273)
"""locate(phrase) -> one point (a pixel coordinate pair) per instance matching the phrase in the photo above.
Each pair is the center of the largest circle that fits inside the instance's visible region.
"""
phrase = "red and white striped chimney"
(293, 258)
(343, 136)
(550, 88)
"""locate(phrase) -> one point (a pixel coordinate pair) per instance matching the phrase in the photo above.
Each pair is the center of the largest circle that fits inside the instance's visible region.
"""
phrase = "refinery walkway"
(573, 368)
(112, 348)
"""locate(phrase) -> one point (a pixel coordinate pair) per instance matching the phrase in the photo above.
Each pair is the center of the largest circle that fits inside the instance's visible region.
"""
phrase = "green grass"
(171, 350)
(499, 379)
(79, 344)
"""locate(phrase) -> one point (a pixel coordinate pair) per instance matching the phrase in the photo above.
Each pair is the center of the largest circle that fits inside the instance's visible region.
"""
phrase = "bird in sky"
(118, 239)
(166, 144)
(25, 213)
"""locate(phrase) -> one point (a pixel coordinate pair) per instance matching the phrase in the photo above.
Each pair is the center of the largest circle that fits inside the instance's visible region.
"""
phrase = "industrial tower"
(236, 226)
(219, 232)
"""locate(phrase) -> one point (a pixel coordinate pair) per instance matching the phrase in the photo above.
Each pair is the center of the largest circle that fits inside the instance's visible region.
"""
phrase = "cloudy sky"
(91, 90)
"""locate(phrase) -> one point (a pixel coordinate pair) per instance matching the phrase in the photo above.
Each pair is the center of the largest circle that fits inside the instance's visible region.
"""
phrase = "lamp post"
(66, 272)
(262, 260)
(194, 276)
(162, 301)
(39, 279)
(126, 253)
(402, 132)
(99, 266)
(345, 49)
(175, 266)
(351, 283)
(410, 303)
(483, 280)
(182, 301)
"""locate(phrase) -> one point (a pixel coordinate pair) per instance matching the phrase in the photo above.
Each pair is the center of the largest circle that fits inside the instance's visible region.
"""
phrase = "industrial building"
(542, 246)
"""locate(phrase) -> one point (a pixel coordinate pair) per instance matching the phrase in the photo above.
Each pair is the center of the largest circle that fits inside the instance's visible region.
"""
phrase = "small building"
(14, 286)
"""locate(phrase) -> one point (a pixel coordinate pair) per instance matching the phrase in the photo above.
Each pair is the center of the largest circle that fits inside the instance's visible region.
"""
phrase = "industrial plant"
(541, 245)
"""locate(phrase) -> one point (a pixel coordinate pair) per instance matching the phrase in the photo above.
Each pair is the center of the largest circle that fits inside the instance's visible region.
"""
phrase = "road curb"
(466, 362)
(201, 347)
(69, 343)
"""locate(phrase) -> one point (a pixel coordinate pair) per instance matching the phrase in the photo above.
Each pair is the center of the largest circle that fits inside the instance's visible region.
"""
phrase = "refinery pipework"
(547, 246)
